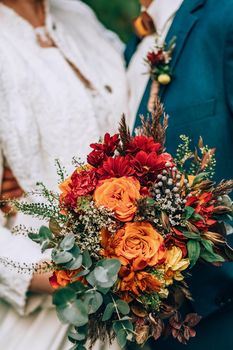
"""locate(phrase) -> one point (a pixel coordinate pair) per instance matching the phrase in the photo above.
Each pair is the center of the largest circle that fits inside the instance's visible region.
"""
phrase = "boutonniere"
(158, 61)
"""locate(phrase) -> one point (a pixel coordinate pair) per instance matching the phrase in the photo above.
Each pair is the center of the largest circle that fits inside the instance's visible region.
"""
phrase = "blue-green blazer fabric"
(199, 101)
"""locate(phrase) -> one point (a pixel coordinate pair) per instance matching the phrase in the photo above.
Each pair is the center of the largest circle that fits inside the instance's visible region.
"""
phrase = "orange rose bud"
(119, 195)
(138, 244)
(137, 283)
(62, 278)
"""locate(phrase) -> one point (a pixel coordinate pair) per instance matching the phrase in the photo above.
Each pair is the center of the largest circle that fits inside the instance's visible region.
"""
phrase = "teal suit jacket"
(199, 101)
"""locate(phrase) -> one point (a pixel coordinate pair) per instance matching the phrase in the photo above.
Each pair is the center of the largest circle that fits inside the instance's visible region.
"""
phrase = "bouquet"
(126, 229)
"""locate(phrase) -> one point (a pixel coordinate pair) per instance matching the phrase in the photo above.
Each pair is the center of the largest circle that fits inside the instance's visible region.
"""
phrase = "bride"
(62, 83)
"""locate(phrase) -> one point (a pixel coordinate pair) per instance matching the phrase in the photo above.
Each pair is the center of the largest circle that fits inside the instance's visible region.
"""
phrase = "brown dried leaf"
(139, 310)
(142, 333)
(191, 320)
(157, 326)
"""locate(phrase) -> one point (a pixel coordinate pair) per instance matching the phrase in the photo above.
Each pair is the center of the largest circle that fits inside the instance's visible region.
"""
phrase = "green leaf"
(60, 257)
(150, 201)
(121, 338)
(78, 287)
(189, 211)
(82, 273)
(123, 307)
(111, 265)
(108, 312)
(74, 313)
(105, 273)
(76, 336)
(77, 259)
(194, 250)
(92, 300)
(63, 296)
(199, 178)
(192, 235)
(87, 262)
(211, 258)
(68, 242)
(45, 233)
(75, 263)
(44, 237)
(209, 255)
(80, 334)
(197, 217)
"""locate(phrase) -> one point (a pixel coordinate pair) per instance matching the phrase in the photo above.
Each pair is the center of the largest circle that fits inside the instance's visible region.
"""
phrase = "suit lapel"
(183, 23)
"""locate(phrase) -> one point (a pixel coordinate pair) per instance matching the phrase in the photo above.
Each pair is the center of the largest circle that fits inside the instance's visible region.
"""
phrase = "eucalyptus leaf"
(123, 307)
(74, 313)
(63, 296)
(75, 263)
(111, 265)
(108, 312)
(121, 338)
(92, 300)
(87, 262)
(61, 257)
(68, 242)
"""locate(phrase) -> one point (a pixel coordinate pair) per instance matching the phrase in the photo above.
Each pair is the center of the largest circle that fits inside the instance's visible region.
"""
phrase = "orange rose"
(62, 278)
(137, 243)
(119, 195)
(137, 283)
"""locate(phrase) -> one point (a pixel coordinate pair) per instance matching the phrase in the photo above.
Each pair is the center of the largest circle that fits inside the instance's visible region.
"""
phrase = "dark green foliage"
(116, 15)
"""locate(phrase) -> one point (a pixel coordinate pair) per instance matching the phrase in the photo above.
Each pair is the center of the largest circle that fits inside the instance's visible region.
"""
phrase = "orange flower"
(62, 278)
(137, 243)
(119, 195)
(137, 283)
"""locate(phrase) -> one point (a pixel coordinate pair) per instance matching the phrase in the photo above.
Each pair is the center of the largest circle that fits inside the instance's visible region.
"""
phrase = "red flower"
(171, 240)
(96, 158)
(204, 206)
(103, 150)
(156, 58)
(142, 143)
(109, 145)
(81, 183)
(115, 167)
(149, 165)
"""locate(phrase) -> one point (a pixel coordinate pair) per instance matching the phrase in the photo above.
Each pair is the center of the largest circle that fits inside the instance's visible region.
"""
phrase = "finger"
(8, 185)
(7, 174)
(8, 195)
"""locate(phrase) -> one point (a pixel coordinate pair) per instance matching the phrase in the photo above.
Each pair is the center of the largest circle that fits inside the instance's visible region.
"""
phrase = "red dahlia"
(142, 143)
(115, 167)
(109, 145)
(149, 165)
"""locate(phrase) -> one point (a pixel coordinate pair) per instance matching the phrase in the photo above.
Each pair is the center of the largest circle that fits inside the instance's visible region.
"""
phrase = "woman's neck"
(31, 10)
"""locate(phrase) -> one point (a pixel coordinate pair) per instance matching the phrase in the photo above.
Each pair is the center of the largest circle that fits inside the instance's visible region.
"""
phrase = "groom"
(199, 101)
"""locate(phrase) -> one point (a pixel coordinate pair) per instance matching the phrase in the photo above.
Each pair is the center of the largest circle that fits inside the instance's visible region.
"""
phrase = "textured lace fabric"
(46, 112)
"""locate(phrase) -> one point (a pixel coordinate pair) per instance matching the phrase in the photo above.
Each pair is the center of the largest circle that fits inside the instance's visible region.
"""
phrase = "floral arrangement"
(159, 60)
(125, 231)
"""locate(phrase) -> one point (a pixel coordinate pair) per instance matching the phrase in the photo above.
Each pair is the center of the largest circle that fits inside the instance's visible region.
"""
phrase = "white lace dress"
(46, 112)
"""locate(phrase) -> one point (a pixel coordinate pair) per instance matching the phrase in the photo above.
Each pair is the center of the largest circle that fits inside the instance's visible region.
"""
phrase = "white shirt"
(46, 112)
(162, 13)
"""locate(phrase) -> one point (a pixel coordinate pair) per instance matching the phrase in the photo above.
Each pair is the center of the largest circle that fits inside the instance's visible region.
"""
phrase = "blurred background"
(116, 15)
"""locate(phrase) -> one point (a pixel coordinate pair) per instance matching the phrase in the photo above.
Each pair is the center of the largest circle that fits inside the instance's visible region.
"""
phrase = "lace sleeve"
(13, 285)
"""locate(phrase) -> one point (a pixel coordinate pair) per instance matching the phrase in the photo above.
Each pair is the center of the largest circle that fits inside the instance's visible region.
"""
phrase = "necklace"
(43, 37)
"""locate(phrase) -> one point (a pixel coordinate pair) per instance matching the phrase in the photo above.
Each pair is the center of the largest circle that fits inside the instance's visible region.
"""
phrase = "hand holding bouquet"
(125, 231)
